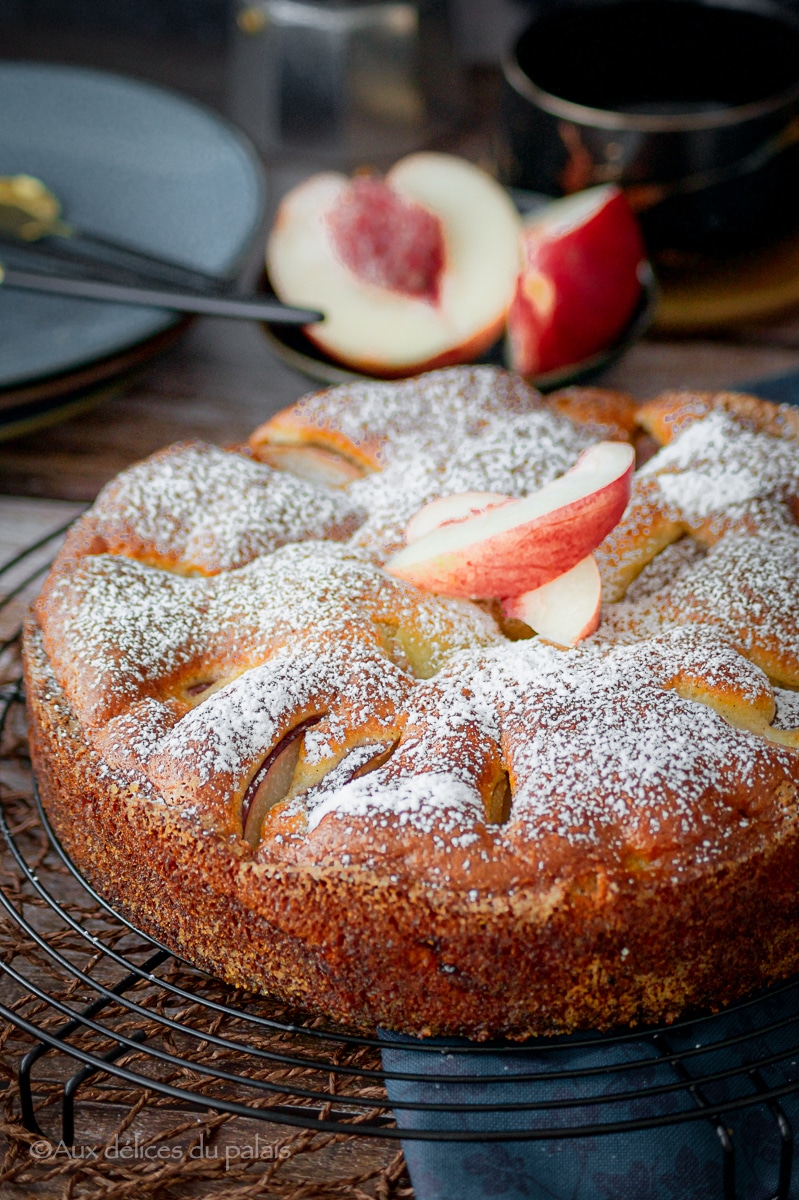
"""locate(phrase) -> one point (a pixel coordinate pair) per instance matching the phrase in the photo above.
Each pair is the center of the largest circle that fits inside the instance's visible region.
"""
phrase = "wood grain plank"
(217, 384)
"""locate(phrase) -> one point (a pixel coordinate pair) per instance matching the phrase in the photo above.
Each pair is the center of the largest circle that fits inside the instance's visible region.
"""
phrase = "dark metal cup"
(691, 105)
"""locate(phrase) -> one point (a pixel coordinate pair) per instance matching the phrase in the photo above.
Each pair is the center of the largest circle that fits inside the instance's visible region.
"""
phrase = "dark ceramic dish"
(292, 346)
(692, 105)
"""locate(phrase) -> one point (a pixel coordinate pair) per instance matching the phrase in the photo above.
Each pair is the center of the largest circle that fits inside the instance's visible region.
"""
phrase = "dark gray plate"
(129, 161)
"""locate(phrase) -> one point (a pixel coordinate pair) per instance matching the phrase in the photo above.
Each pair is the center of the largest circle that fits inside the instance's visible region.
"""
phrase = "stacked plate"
(134, 163)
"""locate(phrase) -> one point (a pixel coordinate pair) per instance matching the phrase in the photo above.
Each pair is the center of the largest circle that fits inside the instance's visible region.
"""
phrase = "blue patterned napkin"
(682, 1160)
(568, 1082)
(784, 389)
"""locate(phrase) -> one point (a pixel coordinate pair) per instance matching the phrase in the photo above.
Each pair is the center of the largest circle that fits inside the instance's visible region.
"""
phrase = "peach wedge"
(515, 547)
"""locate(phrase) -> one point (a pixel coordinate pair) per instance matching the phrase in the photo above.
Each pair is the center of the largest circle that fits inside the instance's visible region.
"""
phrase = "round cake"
(394, 808)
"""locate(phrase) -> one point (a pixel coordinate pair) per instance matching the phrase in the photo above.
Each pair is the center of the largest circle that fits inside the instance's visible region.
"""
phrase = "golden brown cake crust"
(479, 836)
(362, 949)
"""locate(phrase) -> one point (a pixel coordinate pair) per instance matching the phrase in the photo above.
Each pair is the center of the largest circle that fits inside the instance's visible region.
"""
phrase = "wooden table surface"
(221, 380)
(218, 382)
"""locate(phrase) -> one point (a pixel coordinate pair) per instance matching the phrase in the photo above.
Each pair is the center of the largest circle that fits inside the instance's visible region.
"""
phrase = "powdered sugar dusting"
(213, 511)
(434, 412)
(721, 470)
(133, 630)
(582, 733)
(651, 738)
(787, 703)
(222, 738)
(748, 587)
(435, 803)
(665, 568)
(513, 455)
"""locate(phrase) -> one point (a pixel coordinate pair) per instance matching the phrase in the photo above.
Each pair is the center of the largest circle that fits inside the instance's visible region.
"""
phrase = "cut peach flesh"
(566, 609)
(391, 310)
(386, 240)
(446, 509)
(317, 464)
(272, 781)
(271, 790)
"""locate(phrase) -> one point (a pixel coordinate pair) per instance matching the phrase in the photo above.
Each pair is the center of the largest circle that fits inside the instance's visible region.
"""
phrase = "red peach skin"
(516, 547)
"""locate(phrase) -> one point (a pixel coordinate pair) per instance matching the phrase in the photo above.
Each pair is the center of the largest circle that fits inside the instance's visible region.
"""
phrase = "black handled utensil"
(250, 308)
(30, 214)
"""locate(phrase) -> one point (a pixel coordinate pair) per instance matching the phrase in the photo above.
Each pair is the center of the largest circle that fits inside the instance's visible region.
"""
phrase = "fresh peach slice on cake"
(446, 509)
(515, 547)
(566, 609)
(413, 271)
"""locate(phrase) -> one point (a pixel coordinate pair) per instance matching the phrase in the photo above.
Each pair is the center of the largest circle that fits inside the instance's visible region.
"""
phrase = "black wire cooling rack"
(115, 1002)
